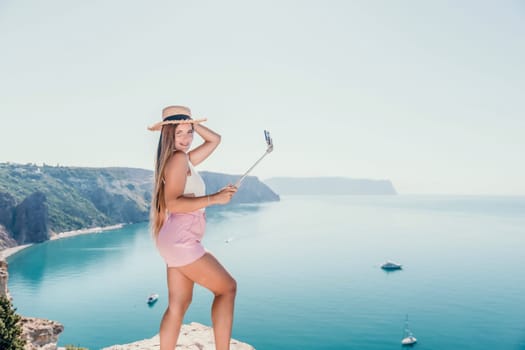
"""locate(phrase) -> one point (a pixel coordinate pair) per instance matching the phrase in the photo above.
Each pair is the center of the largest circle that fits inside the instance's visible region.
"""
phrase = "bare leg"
(209, 273)
(180, 290)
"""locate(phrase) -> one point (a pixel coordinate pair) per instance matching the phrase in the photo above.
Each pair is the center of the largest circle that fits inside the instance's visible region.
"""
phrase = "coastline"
(84, 231)
(7, 252)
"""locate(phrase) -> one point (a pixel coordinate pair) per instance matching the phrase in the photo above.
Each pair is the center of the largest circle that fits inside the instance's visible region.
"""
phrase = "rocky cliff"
(7, 208)
(23, 223)
(3, 279)
(193, 336)
(6, 241)
(75, 198)
(30, 220)
(40, 334)
(250, 191)
(36, 201)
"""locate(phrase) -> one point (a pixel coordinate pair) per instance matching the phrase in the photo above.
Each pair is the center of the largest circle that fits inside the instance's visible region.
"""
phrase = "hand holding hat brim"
(158, 126)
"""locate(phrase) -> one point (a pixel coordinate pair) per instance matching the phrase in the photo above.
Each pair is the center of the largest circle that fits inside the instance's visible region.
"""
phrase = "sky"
(426, 94)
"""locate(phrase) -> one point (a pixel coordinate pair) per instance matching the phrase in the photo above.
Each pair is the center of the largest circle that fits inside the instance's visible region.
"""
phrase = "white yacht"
(390, 265)
(152, 298)
(408, 338)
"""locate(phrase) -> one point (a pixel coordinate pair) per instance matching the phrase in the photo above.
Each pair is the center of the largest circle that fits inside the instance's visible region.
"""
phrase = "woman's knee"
(229, 288)
(233, 286)
(178, 304)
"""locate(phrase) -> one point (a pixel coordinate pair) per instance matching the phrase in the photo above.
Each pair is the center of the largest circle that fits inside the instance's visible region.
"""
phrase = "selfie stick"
(269, 148)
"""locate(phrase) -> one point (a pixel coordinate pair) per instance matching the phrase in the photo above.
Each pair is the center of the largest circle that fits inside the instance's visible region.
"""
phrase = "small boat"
(152, 298)
(390, 265)
(408, 337)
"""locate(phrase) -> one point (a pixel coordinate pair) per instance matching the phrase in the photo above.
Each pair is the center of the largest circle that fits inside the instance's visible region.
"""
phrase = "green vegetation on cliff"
(37, 199)
(81, 197)
(10, 327)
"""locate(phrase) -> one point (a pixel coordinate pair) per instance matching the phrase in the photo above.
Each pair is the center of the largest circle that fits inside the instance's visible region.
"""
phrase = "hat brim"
(158, 126)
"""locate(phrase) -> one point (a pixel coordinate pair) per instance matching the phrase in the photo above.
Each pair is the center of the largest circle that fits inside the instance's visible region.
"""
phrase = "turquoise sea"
(308, 275)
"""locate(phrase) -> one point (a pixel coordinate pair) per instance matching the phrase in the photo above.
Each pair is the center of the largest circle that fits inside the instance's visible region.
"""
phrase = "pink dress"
(179, 240)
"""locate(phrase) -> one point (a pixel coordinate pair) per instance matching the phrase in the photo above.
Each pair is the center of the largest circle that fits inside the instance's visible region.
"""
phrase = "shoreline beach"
(7, 252)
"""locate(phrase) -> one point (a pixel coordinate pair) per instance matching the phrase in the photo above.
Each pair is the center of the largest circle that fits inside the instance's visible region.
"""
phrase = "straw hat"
(175, 115)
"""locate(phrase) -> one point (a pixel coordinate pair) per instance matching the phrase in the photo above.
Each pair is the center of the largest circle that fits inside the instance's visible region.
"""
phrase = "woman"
(178, 223)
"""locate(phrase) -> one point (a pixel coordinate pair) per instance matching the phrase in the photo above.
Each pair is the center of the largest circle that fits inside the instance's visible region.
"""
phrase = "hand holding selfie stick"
(269, 148)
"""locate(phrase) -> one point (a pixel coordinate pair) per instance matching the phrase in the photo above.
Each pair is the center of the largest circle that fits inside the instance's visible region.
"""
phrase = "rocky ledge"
(193, 336)
(40, 334)
(43, 334)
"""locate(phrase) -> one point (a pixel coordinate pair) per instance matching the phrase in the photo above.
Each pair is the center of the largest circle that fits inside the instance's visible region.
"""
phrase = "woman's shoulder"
(179, 155)
(177, 159)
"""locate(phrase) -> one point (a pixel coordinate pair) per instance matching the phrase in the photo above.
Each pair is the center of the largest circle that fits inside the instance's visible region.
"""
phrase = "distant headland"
(329, 186)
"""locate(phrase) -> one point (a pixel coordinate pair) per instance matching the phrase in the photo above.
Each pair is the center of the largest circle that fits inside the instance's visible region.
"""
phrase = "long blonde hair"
(158, 202)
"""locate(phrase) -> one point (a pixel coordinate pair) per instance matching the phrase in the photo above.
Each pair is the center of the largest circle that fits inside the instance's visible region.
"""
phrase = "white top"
(194, 183)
